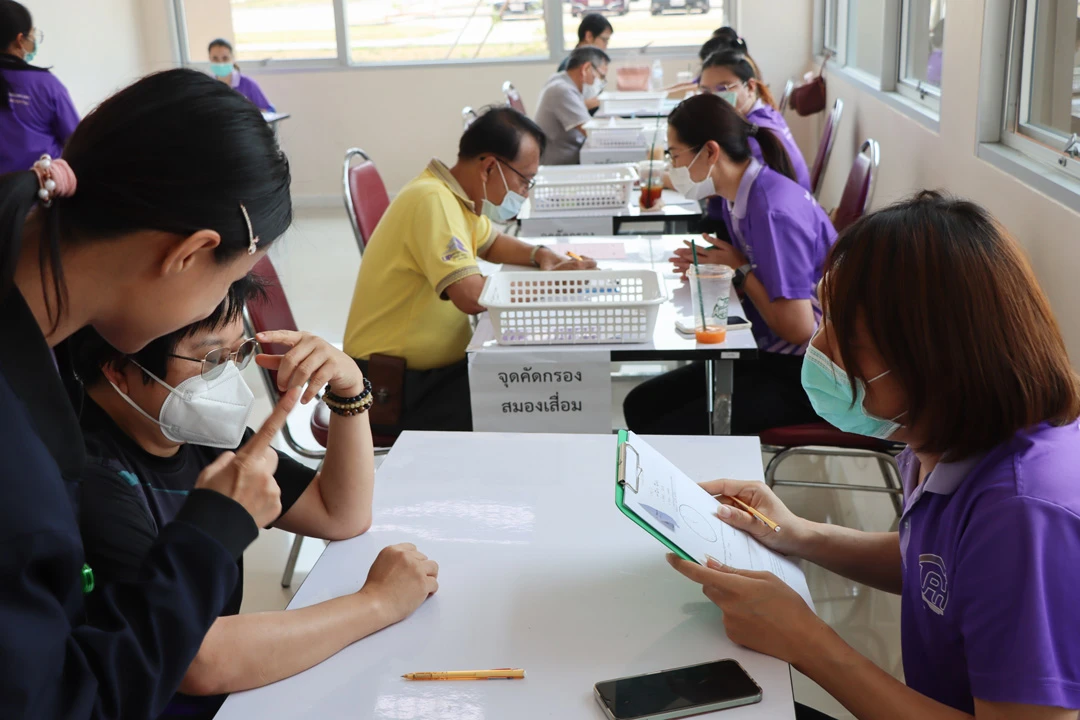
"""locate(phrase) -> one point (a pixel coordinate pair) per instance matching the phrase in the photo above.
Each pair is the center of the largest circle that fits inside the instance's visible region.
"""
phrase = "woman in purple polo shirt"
(730, 74)
(36, 113)
(227, 71)
(938, 336)
(780, 237)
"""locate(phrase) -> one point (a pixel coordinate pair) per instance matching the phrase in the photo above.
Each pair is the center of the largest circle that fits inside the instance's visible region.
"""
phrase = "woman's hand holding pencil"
(752, 507)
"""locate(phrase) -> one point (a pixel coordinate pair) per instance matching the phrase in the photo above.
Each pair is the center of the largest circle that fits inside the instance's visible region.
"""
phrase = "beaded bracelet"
(355, 405)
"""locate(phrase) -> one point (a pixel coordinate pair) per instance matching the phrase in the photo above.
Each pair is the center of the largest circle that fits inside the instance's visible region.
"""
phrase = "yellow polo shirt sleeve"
(447, 241)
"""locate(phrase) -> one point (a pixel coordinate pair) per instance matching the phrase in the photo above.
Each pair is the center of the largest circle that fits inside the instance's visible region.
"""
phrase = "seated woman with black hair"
(780, 237)
(731, 75)
(225, 69)
(155, 419)
(937, 336)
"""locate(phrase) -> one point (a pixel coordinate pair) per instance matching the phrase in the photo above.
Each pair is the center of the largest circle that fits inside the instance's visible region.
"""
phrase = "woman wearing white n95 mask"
(779, 240)
(155, 419)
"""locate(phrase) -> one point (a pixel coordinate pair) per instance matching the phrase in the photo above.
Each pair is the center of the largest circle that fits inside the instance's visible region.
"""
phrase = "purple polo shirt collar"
(234, 79)
(944, 479)
(742, 195)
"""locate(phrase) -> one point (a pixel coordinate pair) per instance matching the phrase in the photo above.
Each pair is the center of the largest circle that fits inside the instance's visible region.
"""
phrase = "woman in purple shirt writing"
(227, 71)
(779, 240)
(937, 336)
(36, 113)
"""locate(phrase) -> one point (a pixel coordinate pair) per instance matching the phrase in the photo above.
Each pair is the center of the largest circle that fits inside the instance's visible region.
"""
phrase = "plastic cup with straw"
(719, 282)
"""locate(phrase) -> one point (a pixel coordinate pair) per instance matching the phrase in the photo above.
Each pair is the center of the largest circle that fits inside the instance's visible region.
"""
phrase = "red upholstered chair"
(828, 139)
(365, 194)
(273, 313)
(468, 115)
(786, 97)
(513, 97)
(823, 439)
(859, 189)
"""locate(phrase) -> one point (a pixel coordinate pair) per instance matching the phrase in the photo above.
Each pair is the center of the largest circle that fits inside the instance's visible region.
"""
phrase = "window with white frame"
(831, 26)
(1042, 102)
(360, 32)
(865, 25)
(922, 49)
(261, 30)
(648, 23)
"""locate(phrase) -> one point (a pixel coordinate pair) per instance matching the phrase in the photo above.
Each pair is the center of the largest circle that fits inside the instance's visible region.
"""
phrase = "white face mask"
(685, 185)
(594, 90)
(213, 413)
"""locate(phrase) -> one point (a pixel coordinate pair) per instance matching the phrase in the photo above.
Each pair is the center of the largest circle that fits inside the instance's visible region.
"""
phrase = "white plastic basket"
(583, 187)
(580, 307)
(616, 137)
(631, 103)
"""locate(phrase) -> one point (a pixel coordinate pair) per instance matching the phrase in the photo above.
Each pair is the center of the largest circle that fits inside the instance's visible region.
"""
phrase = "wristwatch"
(532, 255)
(740, 275)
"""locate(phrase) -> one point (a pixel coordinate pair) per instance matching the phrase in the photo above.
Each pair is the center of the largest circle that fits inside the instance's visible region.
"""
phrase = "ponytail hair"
(744, 68)
(176, 152)
(702, 118)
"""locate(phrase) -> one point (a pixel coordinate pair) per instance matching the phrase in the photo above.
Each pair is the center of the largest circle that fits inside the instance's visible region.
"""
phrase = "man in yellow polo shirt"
(419, 279)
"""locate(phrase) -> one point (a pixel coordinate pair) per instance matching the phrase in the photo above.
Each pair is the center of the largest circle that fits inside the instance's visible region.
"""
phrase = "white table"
(539, 570)
(677, 215)
(653, 252)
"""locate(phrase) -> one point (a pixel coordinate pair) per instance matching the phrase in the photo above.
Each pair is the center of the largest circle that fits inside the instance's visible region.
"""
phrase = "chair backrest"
(828, 139)
(513, 97)
(859, 189)
(467, 117)
(786, 97)
(271, 312)
(365, 195)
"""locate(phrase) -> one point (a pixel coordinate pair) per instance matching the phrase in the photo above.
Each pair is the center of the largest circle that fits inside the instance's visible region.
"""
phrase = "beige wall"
(405, 115)
(914, 157)
(93, 47)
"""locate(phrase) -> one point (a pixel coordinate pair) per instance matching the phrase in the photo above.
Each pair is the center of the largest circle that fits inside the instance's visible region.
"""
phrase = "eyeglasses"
(213, 364)
(602, 76)
(530, 183)
(669, 156)
(37, 36)
(717, 89)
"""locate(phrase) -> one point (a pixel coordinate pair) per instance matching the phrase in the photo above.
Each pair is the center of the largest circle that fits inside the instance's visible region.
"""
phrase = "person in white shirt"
(562, 111)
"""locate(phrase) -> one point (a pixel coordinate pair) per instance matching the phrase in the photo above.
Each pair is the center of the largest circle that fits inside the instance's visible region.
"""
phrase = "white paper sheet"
(541, 391)
(679, 509)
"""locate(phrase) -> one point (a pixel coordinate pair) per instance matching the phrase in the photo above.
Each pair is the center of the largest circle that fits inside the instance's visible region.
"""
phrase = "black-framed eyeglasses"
(530, 183)
(214, 362)
(602, 76)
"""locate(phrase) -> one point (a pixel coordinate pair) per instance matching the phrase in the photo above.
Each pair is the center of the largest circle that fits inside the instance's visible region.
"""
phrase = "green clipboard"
(622, 486)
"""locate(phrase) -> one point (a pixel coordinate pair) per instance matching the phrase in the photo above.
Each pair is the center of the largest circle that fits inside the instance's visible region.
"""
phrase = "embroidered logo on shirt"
(456, 250)
(935, 583)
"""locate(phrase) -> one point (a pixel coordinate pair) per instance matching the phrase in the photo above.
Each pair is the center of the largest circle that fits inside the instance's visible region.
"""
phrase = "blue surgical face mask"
(829, 390)
(509, 208)
(221, 69)
(731, 96)
(32, 54)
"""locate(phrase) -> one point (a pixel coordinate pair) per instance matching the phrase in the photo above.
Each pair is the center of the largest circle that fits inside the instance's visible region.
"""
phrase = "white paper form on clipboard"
(674, 506)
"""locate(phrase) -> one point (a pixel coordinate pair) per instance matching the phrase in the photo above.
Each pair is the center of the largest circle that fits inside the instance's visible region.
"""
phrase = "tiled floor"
(320, 253)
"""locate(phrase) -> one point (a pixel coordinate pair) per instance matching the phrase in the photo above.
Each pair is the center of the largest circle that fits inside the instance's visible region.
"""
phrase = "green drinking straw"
(697, 279)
